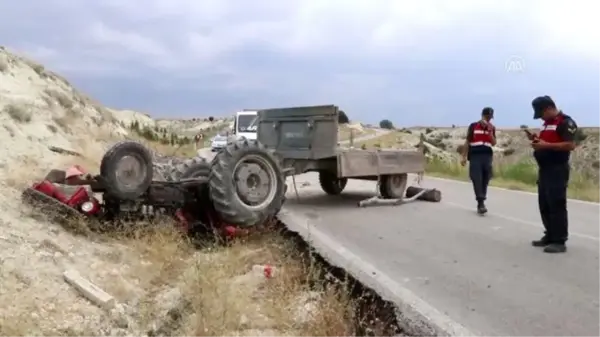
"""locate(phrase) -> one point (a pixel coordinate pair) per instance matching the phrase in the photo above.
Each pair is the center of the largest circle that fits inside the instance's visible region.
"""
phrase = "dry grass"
(176, 289)
(10, 130)
(181, 291)
(186, 151)
(390, 140)
(18, 113)
(521, 176)
(345, 131)
(227, 297)
(61, 98)
(38, 68)
(3, 65)
(20, 179)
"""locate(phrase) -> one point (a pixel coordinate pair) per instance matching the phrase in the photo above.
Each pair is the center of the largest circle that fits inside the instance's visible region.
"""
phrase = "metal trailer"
(305, 139)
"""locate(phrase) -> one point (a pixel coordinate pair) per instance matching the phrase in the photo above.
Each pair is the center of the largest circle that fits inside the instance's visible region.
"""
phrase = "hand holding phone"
(531, 136)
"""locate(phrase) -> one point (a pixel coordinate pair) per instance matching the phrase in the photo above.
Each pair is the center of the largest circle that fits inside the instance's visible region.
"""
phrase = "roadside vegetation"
(518, 176)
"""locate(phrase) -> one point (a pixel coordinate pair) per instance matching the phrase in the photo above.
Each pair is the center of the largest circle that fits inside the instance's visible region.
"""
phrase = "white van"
(245, 124)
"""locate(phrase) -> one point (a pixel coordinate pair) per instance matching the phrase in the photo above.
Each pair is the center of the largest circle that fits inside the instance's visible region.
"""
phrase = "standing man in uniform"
(481, 136)
(552, 150)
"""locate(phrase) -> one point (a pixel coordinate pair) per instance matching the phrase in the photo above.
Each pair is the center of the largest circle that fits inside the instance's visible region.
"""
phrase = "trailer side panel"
(361, 163)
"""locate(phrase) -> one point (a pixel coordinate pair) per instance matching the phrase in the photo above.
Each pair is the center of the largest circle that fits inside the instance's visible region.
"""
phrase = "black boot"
(543, 242)
(481, 209)
(555, 248)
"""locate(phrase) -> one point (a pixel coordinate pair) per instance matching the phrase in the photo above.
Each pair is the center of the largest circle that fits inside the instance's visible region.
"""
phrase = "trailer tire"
(393, 186)
(330, 183)
(138, 178)
(232, 170)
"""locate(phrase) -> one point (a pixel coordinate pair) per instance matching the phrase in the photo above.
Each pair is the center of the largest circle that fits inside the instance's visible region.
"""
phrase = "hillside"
(159, 282)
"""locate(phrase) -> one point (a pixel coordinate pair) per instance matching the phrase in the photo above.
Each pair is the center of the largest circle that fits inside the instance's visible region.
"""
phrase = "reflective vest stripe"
(549, 130)
(481, 144)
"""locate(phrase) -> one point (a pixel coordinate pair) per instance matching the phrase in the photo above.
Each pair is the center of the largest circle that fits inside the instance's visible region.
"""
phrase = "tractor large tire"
(126, 170)
(194, 168)
(393, 186)
(330, 183)
(247, 183)
(177, 169)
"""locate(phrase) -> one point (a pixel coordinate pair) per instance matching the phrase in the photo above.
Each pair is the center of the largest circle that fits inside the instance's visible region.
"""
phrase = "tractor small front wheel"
(330, 183)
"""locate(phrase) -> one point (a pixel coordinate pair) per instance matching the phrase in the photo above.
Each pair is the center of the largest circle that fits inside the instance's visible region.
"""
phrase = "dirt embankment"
(156, 281)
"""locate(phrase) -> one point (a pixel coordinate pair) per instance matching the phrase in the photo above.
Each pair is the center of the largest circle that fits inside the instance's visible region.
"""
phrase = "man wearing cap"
(481, 136)
(552, 150)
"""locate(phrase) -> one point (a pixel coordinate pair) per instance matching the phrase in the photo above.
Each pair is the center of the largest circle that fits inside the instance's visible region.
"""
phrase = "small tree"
(386, 124)
(579, 136)
(211, 119)
(135, 126)
(342, 117)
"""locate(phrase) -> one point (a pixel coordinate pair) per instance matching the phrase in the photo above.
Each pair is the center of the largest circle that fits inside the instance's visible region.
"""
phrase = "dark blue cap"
(540, 104)
(487, 111)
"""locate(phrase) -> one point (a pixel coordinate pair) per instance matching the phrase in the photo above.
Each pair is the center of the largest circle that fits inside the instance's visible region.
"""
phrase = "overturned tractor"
(243, 186)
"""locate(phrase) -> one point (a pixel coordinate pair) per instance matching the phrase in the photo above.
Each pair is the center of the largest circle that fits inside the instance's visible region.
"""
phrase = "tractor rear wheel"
(247, 183)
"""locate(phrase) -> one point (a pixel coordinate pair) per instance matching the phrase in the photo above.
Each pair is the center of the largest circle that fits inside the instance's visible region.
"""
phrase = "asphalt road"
(479, 273)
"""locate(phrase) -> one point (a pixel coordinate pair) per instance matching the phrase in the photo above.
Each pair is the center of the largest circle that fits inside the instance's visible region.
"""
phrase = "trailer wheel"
(127, 170)
(247, 184)
(330, 183)
(393, 186)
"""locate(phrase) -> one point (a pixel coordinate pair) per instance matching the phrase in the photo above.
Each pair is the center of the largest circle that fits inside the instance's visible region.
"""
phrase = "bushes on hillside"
(580, 136)
(386, 124)
(158, 134)
(342, 117)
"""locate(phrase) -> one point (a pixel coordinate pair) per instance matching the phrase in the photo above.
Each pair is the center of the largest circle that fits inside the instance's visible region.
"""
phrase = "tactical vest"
(549, 134)
(481, 142)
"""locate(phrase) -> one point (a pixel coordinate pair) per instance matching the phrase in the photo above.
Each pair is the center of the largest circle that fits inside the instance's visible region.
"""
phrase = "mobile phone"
(529, 134)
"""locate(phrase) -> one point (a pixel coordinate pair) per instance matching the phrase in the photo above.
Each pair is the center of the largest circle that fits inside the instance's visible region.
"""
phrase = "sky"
(422, 62)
